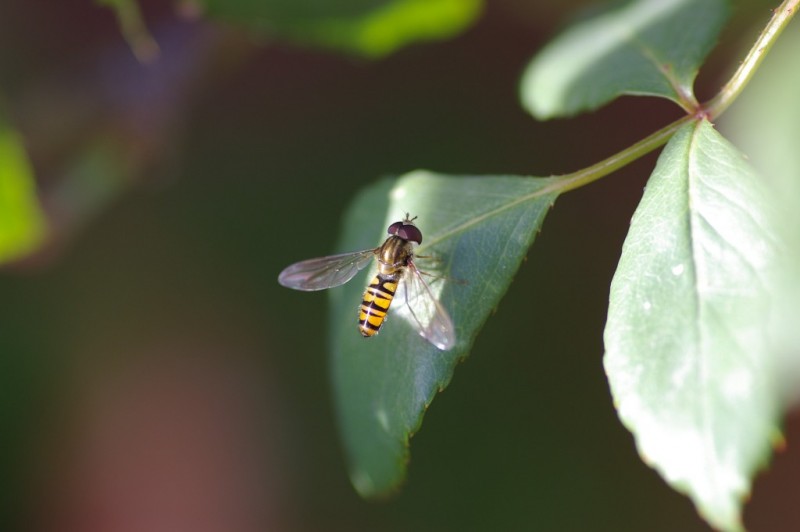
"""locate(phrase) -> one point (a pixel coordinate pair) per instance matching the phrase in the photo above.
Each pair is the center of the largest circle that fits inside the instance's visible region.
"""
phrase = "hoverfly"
(395, 265)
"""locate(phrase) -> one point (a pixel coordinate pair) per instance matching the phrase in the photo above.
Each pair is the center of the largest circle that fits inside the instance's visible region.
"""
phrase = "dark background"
(154, 375)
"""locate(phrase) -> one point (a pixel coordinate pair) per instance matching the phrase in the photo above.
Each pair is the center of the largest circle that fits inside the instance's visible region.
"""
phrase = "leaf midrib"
(552, 188)
(703, 362)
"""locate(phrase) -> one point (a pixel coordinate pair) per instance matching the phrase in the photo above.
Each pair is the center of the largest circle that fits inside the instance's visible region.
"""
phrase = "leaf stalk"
(731, 90)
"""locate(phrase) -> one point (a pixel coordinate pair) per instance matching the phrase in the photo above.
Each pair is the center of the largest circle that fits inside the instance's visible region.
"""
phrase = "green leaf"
(765, 122)
(687, 354)
(648, 47)
(478, 229)
(22, 224)
(373, 28)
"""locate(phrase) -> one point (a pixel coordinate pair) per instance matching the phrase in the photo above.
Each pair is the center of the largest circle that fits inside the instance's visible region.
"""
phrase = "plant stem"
(715, 107)
(780, 18)
(586, 175)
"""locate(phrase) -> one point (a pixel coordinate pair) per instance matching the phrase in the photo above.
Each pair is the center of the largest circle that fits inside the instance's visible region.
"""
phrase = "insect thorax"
(394, 255)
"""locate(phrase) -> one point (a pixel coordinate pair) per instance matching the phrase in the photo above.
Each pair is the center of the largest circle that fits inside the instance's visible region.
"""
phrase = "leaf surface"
(22, 225)
(687, 354)
(373, 28)
(646, 47)
(477, 230)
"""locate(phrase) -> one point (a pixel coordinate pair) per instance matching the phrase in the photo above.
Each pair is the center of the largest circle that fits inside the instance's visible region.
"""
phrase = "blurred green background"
(154, 375)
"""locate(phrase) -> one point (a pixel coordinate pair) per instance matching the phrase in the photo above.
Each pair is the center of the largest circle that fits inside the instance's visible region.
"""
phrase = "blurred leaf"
(479, 230)
(647, 47)
(372, 28)
(22, 224)
(99, 174)
(686, 338)
(765, 122)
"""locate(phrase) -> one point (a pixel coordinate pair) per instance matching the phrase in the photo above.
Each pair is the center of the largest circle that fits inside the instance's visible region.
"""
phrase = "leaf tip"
(362, 482)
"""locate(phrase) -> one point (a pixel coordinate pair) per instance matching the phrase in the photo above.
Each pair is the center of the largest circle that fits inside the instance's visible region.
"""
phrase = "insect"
(395, 266)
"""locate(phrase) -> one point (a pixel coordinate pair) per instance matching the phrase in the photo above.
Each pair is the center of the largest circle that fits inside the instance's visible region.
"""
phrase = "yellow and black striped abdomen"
(375, 303)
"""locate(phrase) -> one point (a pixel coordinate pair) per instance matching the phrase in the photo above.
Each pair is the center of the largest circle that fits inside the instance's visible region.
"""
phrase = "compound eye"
(394, 228)
(410, 232)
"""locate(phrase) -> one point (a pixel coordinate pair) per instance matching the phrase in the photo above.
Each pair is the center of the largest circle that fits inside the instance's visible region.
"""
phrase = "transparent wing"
(427, 315)
(324, 272)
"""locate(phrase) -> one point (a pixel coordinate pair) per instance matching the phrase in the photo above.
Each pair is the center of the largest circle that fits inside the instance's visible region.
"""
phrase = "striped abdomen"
(375, 303)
